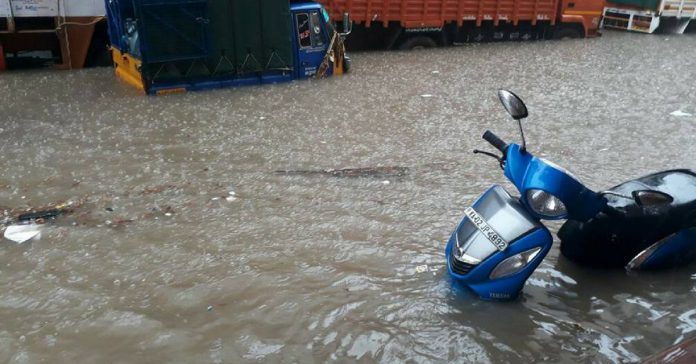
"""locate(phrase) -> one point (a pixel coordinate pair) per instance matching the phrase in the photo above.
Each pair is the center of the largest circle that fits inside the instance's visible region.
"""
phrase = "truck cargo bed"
(436, 13)
(201, 44)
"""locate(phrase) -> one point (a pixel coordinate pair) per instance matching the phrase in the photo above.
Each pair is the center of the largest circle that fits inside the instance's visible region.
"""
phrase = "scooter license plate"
(485, 229)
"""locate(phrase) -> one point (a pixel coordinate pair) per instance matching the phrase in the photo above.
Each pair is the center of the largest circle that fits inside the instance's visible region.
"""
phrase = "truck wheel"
(415, 43)
(568, 33)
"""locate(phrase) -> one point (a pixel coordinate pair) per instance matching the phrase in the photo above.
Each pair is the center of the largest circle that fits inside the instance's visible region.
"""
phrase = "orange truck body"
(430, 15)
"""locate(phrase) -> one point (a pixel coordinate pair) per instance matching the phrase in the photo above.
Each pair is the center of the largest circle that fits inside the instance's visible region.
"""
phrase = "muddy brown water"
(316, 268)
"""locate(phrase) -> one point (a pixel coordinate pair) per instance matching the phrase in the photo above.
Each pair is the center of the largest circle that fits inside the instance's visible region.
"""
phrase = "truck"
(168, 46)
(71, 33)
(647, 16)
(415, 24)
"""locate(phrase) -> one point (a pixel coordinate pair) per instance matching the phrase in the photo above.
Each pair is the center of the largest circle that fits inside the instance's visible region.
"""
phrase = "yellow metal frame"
(128, 69)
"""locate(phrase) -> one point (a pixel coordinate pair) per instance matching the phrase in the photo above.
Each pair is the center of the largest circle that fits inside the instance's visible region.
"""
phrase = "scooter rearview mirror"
(651, 198)
(513, 104)
(516, 108)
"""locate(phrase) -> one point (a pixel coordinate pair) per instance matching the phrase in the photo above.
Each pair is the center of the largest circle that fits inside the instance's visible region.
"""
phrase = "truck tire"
(415, 43)
(568, 33)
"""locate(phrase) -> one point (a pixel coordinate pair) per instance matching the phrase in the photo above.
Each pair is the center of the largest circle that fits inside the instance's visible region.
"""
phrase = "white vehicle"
(66, 28)
(647, 16)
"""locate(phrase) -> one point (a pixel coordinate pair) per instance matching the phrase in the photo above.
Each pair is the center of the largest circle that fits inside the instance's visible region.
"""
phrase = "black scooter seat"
(678, 183)
(624, 229)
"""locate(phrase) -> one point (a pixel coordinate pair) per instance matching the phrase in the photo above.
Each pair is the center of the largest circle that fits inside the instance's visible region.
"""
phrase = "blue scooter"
(645, 223)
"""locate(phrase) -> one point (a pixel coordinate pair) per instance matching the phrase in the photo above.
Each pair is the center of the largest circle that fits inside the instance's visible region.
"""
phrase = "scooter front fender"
(523, 233)
(674, 250)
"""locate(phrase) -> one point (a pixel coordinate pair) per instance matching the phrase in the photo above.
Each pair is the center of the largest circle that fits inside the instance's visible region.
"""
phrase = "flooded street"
(186, 246)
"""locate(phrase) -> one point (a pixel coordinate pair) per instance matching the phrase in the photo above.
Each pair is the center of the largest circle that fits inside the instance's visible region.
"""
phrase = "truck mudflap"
(335, 56)
(127, 68)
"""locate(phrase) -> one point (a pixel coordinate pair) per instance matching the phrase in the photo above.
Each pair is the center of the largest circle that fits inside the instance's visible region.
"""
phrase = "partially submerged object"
(46, 213)
(646, 223)
(173, 46)
(410, 24)
(23, 233)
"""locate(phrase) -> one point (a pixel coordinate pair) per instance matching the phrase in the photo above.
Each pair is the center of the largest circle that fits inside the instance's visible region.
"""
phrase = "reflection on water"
(187, 247)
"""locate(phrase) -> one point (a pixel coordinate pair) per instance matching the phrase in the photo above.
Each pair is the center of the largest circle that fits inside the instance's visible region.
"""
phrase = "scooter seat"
(616, 235)
(678, 183)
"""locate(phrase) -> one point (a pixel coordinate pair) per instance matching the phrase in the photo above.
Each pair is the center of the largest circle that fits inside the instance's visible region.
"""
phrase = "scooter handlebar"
(495, 141)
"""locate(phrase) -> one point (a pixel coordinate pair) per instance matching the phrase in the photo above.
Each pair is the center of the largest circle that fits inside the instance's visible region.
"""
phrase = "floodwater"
(184, 245)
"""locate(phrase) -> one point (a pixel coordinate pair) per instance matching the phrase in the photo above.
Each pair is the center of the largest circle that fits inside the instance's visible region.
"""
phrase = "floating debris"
(47, 214)
(98, 210)
(376, 172)
(159, 189)
(426, 96)
(23, 233)
(39, 214)
(679, 113)
(422, 268)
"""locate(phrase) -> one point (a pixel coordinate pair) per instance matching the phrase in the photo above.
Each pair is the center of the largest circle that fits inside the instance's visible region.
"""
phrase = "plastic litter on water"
(426, 96)
(422, 268)
(679, 113)
(23, 233)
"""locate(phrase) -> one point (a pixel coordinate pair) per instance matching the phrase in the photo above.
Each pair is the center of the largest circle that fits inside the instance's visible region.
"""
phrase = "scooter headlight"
(514, 264)
(545, 204)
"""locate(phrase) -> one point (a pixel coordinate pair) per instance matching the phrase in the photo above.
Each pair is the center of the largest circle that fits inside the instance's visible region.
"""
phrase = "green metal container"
(198, 40)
